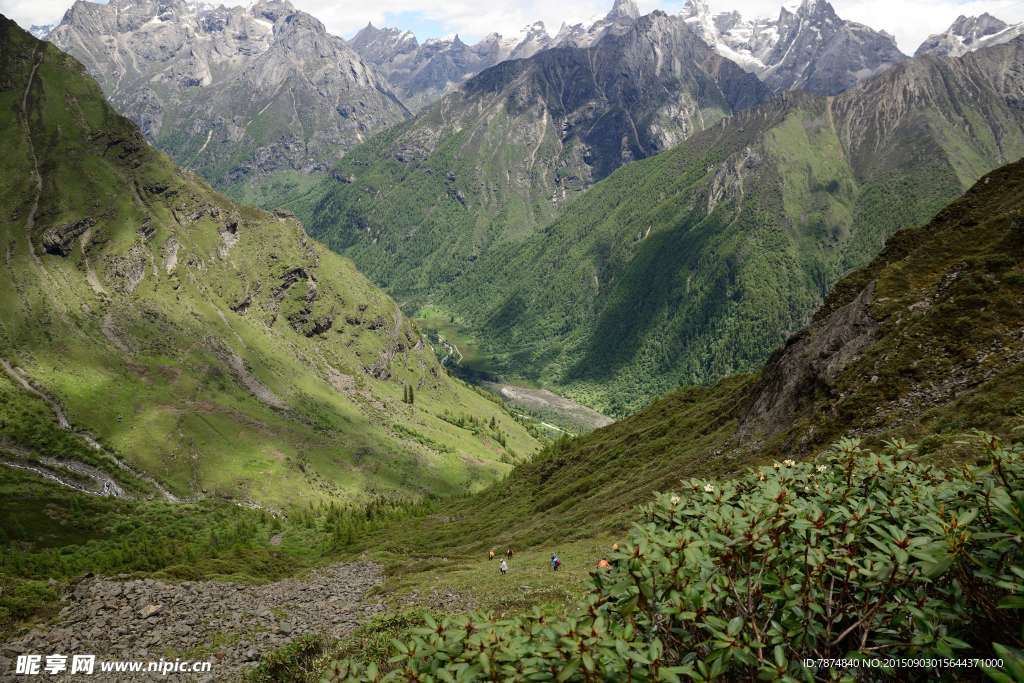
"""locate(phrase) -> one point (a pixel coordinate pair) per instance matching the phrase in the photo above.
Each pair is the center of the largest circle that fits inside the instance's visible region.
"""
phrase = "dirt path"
(229, 624)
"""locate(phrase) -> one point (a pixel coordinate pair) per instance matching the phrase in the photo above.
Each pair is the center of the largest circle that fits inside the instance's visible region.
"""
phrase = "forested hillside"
(926, 343)
(697, 263)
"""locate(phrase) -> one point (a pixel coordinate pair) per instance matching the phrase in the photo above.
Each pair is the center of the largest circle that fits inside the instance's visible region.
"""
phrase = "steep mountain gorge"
(925, 343)
(695, 264)
(418, 205)
(253, 98)
(194, 347)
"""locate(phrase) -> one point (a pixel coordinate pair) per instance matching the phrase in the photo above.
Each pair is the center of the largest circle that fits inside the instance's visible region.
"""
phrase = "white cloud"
(911, 21)
(28, 12)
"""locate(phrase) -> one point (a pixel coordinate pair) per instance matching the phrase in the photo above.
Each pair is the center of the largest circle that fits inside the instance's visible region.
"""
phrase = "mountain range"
(421, 74)
(236, 94)
(217, 87)
(698, 262)
(808, 47)
(754, 242)
(198, 347)
(695, 264)
(494, 160)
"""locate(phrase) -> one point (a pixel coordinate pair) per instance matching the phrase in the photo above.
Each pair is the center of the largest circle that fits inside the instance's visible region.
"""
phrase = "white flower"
(708, 488)
(789, 463)
(822, 468)
(675, 500)
(761, 476)
(776, 465)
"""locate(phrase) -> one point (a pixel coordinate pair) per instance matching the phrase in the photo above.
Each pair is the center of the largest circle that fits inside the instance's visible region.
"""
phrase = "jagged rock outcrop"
(234, 93)
(809, 47)
(968, 34)
(60, 238)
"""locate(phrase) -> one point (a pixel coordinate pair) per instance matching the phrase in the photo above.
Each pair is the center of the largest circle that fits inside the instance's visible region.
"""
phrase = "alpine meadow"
(360, 343)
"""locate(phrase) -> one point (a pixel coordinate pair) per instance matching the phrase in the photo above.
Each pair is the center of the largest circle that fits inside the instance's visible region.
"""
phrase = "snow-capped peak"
(967, 34)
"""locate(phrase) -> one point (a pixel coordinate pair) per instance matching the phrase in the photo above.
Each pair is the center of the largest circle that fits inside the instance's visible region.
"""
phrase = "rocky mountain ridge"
(808, 47)
(968, 34)
(421, 74)
(235, 93)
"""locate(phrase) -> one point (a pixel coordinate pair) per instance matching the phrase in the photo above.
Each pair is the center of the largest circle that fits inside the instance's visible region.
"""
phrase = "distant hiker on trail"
(508, 553)
(490, 554)
(556, 563)
(603, 563)
(503, 567)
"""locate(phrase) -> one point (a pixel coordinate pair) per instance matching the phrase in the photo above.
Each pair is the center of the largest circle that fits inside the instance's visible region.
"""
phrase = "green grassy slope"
(213, 346)
(925, 343)
(696, 263)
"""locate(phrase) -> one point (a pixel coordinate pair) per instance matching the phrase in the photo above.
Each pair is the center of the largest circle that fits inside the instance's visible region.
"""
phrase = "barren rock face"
(231, 92)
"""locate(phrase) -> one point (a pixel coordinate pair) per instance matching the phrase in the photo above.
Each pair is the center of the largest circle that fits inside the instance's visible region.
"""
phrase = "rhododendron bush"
(859, 554)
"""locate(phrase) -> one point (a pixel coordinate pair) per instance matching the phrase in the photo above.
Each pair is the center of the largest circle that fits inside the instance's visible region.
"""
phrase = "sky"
(911, 21)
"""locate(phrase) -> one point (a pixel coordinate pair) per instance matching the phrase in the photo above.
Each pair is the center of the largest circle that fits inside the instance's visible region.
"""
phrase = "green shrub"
(858, 555)
(293, 663)
(21, 599)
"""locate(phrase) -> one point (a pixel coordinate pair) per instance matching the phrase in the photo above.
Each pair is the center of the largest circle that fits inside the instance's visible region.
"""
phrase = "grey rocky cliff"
(232, 93)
